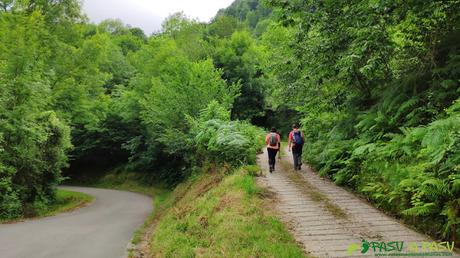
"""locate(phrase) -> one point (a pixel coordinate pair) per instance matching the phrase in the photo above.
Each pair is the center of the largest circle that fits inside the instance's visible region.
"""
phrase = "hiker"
(273, 141)
(296, 141)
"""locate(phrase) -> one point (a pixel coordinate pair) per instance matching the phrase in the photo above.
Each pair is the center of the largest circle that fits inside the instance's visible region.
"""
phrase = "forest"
(373, 83)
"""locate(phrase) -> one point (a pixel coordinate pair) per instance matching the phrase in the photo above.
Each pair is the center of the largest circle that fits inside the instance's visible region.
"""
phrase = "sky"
(149, 14)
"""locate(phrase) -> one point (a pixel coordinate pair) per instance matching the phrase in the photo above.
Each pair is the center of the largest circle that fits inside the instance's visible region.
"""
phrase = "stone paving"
(326, 218)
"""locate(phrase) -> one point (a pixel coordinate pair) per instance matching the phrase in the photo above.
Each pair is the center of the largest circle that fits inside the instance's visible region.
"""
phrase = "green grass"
(128, 181)
(218, 215)
(65, 201)
(158, 199)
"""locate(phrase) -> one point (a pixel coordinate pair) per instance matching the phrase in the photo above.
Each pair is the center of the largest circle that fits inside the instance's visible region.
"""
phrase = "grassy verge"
(65, 201)
(220, 214)
(128, 181)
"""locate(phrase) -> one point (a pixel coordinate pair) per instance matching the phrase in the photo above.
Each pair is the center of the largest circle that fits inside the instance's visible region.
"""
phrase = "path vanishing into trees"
(326, 218)
(102, 229)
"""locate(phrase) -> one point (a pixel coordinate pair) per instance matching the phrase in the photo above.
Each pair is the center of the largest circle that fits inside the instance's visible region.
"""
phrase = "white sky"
(148, 14)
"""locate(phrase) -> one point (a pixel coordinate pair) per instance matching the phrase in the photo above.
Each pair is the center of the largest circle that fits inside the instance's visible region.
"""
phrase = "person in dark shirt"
(296, 141)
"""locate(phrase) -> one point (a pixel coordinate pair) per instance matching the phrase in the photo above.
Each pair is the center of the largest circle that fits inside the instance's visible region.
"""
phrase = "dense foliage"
(377, 84)
(219, 140)
(107, 95)
(253, 13)
(33, 140)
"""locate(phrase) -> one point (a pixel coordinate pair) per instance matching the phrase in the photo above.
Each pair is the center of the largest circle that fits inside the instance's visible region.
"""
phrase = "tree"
(188, 35)
(34, 141)
(167, 81)
(242, 61)
(223, 26)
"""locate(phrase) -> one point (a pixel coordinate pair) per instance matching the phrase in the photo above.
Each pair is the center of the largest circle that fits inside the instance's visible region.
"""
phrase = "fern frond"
(435, 188)
(422, 210)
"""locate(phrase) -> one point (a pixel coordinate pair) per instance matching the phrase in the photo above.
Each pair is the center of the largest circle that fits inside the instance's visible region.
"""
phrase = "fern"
(424, 209)
(451, 211)
(403, 110)
(435, 188)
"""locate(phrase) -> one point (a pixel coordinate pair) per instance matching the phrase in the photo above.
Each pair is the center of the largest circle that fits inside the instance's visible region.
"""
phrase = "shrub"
(220, 140)
(33, 157)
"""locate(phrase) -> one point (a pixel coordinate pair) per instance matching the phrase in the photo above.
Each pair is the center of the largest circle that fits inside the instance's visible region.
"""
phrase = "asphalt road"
(102, 229)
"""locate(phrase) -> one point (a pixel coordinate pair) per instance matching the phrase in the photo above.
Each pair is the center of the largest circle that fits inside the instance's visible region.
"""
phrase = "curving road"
(102, 229)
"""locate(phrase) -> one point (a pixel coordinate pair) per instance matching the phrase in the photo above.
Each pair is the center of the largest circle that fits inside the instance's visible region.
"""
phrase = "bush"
(33, 157)
(222, 141)
(10, 205)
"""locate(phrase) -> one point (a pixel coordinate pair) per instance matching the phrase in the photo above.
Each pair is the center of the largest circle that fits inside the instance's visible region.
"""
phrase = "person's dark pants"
(297, 155)
(272, 157)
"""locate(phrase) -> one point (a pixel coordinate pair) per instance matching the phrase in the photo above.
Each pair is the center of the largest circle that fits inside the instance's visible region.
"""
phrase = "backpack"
(297, 138)
(273, 140)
